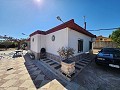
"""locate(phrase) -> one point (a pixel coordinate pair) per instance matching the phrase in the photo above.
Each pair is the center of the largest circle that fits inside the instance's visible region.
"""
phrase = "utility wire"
(104, 29)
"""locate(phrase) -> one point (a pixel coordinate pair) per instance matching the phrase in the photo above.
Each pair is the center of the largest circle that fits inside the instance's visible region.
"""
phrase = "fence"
(101, 44)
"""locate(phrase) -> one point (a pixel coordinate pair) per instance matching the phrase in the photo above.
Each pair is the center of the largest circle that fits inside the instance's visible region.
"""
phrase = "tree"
(8, 41)
(116, 36)
(6, 44)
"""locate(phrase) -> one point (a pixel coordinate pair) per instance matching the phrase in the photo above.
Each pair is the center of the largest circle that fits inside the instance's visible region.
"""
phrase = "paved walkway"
(21, 74)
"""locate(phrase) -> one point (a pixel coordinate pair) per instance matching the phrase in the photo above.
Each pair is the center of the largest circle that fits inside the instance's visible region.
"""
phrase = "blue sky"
(26, 16)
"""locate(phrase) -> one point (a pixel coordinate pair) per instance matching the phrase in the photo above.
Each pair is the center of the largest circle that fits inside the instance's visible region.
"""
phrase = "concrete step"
(87, 61)
(78, 68)
(53, 63)
(83, 62)
(80, 64)
(45, 59)
(49, 61)
(57, 67)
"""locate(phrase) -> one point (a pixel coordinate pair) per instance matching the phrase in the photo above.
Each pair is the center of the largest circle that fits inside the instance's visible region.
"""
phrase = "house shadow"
(37, 76)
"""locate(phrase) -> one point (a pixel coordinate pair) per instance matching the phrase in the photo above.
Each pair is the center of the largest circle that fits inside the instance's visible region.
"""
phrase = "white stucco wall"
(74, 36)
(61, 39)
(34, 43)
(38, 43)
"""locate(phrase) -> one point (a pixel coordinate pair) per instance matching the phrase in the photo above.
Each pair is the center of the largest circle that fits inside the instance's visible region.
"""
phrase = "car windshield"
(106, 50)
(114, 51)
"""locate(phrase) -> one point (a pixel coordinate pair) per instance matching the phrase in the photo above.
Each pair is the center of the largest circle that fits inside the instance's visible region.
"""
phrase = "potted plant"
(67, 66)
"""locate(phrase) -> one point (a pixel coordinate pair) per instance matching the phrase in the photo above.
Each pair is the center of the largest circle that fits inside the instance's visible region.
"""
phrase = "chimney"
(84, 22)
(85, 25)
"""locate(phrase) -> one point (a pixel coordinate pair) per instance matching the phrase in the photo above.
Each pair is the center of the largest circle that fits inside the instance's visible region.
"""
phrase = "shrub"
(66, 52)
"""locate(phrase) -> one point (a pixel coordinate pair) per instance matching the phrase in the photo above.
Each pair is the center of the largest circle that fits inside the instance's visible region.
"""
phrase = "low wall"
(58, 59)
(53, 57)
(102, 44)
(78, 57)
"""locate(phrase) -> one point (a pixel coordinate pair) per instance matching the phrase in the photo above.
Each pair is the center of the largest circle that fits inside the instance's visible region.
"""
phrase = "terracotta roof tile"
(38, 32)
(28, 39)
(69, 24)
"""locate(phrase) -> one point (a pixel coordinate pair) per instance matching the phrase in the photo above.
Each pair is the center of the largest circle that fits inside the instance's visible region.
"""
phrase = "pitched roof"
(102, 38)
(28, 39)
(38, 32)
(69, 24)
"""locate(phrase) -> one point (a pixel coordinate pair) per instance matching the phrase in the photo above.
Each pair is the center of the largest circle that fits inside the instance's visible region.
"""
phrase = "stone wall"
(53, 57)
(58, 59)
(78, 57)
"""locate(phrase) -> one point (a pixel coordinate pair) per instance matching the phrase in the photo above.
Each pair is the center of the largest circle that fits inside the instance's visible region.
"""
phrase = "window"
(80, 46)
(53, 38)
(33, 40)
(90, 45)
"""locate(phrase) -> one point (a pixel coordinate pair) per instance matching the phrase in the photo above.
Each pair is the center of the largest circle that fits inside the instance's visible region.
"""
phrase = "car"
(109, 57)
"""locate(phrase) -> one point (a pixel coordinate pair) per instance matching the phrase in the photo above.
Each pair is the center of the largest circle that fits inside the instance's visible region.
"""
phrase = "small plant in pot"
(67, 66)
(65, 53)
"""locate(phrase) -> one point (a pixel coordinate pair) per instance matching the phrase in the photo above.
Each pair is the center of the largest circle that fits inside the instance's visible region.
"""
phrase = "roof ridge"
(61, 26)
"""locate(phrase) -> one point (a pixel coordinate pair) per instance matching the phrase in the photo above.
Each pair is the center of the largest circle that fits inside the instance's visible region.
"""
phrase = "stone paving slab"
(8, 83)
(53, 85)
(24, 75)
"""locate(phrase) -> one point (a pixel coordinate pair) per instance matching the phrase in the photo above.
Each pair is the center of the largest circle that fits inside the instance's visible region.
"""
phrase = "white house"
(68, 34)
